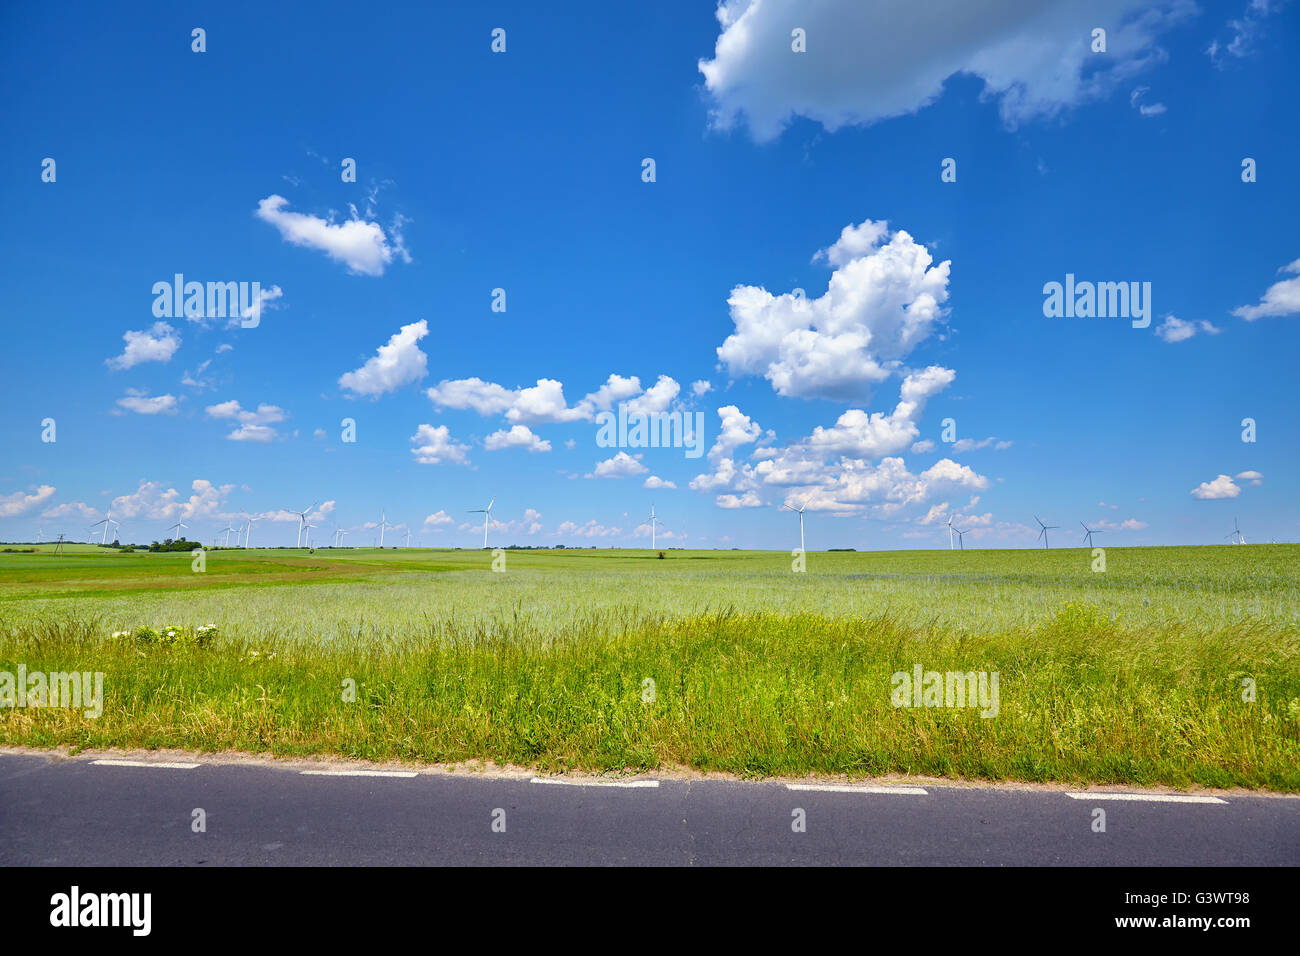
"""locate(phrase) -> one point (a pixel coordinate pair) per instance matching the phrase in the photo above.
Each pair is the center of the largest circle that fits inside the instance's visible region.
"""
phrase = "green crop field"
(1175, 666)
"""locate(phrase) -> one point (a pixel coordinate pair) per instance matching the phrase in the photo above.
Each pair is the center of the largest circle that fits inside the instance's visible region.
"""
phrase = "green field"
(1131, 675)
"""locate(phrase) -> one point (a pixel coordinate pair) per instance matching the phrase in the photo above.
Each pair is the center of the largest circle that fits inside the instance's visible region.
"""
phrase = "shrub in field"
(173, 634)
(1078, 618)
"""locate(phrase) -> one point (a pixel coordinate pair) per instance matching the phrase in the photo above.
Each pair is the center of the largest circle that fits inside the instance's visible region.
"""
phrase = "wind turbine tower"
(487, 516)
(653, 523)
(1043, 533)
(1088, 533)
(105, 521)
(302, 520)
(799, 512)
(1236, 537)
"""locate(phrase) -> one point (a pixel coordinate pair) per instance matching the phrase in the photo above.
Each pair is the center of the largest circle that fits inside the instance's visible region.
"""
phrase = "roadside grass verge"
(1081, 699)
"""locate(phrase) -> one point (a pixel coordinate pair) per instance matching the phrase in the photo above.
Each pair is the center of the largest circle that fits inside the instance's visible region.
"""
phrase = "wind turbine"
(248, 527)
(309, 530)
(383, 526)
(117, 526)
(1088, 533)
(302, 520)
(487, 516)
(40, 535)
(340, 534)
(949, 532)
(227, 532)
(961, 538)
(105, 521)
(799, 512)
(1043, 534)
(1236, 537)
(653, 522)
(177, 527)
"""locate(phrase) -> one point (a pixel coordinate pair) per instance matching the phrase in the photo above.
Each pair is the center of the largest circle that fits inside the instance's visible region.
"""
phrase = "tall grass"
(1084, 698)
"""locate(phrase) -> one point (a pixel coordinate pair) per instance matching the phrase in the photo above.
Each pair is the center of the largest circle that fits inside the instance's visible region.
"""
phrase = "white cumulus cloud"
(158, 344)
(21, 502)
(870, 61)
(361, 246)
(883, 299)
(1174, 329)
(142, 403)
(621, 465)
(398, 363)
(1281, 298)
(519, 436)
(1221, 487)
(434, 445)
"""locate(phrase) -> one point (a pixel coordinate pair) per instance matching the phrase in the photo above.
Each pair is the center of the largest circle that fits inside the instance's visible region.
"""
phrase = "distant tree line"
(175, 544)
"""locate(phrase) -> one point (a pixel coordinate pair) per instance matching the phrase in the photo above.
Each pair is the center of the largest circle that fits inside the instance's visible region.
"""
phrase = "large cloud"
(398, 363)
(830, 470)
(21, 502)
(361, 246)
(1175, 329)
(622, 465)
(142, 403)
(888, 485)
(544, 403)
(434, 445)
(1221, 487)
(153, 500)
(254, 426)
(883, 299)
(868, 61)
(1281, 298)
(518, 436)
(158, 344)
(864, 435)
(735, 429)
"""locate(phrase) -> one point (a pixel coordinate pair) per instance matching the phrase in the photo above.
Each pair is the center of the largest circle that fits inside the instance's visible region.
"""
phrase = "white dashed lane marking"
(653, 784)
(846, 788)
(359, 773)
(1146, 797)
(596, 783)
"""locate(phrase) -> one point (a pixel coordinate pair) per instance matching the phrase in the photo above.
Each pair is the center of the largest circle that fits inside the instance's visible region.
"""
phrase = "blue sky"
(774, 170)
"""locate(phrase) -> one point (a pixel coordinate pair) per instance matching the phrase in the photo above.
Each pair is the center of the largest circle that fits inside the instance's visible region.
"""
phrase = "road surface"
(89, 811)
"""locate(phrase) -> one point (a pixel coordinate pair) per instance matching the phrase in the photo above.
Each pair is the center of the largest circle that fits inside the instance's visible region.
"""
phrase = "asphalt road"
(75, 812)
